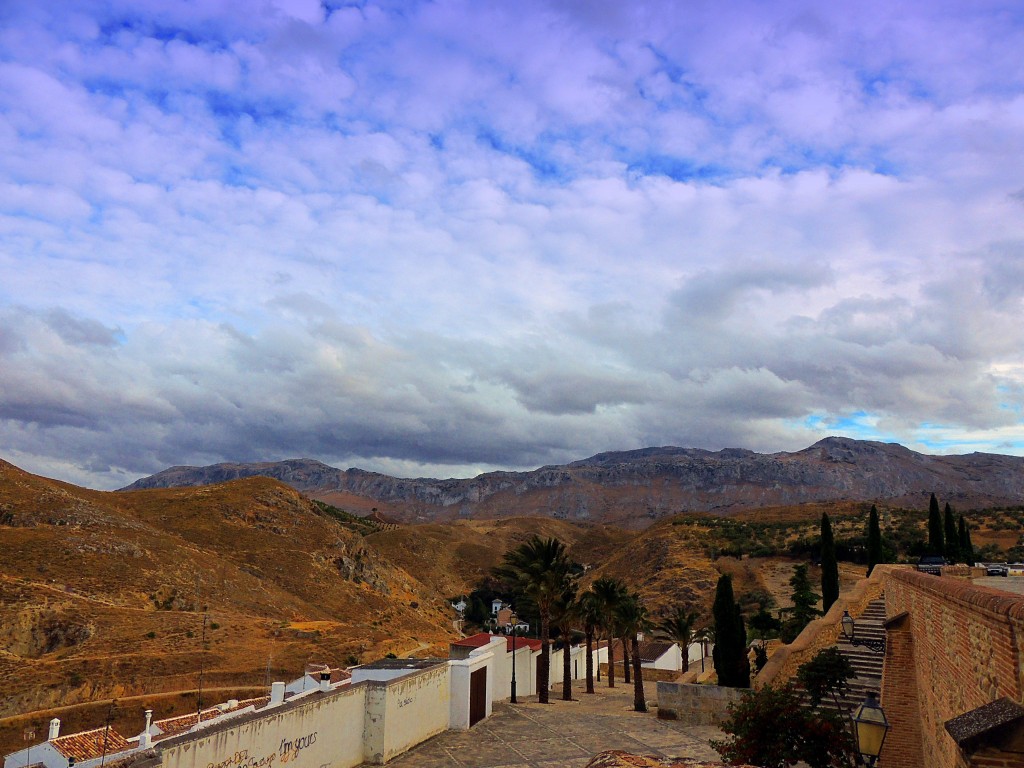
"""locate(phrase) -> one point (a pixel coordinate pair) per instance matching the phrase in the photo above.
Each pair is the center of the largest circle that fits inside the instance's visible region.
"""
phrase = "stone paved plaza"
(562, 734)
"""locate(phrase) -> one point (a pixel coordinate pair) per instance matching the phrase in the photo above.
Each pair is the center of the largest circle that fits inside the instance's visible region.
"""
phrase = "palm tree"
(539, 569)
(609, 593)
(678, 627)
(564, 613)
(706, 636)
(589, 610)
(634, 618)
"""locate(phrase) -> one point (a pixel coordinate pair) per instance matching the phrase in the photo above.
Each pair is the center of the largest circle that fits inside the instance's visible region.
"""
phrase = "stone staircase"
(866, 663)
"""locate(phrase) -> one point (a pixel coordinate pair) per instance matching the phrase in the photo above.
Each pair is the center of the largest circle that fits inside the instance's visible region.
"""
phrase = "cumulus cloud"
(438, 238)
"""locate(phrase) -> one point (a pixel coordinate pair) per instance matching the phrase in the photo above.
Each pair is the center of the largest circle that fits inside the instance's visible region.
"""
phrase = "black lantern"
(870, 727)
(850, 633)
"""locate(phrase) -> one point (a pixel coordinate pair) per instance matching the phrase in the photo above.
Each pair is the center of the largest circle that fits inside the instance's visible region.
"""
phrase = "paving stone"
(562, 734)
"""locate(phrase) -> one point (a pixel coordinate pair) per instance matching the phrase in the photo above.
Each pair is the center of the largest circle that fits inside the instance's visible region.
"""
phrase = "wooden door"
(477, 696)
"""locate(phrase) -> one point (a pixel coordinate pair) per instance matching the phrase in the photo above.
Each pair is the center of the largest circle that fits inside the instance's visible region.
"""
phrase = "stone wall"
(695, 704)
(959, 647)
(650, 675)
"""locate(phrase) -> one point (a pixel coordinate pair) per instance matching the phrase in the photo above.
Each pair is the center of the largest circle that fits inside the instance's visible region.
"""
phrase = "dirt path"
(98, 702)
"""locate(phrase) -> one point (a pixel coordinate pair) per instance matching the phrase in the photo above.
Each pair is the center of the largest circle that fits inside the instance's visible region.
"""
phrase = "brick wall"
(960, 647)
(900, 700)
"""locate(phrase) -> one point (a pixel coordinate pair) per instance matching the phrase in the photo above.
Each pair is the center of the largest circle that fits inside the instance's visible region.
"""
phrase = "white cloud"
(458, 235)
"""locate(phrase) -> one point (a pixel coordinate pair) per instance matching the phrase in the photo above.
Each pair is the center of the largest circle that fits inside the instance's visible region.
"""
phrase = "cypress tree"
(829, 566)
(874, 540)
(935, 543)
(964, 539)
(805, 604)
(730, 652)
(952, 549)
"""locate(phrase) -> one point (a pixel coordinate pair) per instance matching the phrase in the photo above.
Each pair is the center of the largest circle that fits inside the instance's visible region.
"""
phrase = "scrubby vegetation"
(362, 525)
(904, 534)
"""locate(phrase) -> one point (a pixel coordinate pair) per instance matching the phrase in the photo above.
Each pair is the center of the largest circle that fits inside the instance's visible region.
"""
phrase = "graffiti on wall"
(288, 751)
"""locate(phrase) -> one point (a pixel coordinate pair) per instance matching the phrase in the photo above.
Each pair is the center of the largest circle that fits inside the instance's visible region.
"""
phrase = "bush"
(772, 728)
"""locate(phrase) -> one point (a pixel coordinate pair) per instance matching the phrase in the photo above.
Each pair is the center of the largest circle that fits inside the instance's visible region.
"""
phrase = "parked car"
(931, 564)
(996, 569)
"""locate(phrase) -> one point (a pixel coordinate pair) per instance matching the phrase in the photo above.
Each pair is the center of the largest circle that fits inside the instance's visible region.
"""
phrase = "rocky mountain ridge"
(633, 488)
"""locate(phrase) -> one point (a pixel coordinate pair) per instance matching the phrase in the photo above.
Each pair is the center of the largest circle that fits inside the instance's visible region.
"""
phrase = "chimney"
(146, 739)
(276, 694)
(325, 680)
(54, 729)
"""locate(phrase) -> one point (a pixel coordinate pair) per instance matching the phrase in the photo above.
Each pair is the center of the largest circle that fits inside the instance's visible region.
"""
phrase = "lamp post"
(850, 633)
(869, 729)
(514, 701)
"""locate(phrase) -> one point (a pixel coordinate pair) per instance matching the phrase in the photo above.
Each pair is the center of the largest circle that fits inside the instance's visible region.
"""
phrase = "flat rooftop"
(403, 664)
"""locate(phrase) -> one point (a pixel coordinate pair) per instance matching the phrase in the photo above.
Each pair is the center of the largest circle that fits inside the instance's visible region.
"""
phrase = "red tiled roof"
(172, 726)
(89, 744)
(481, 639)
(652, 650)
(337, 673)
(522, 642)
(475, 641)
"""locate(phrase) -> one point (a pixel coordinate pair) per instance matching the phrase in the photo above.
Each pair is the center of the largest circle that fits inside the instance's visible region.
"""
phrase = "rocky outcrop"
(633, 488)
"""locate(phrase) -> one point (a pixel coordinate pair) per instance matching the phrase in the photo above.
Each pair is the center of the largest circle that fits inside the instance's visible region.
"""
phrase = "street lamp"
(870, 726)
(514, 701)
(850, 633)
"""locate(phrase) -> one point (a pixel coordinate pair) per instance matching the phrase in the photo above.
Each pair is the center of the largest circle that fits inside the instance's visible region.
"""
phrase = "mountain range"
(634, 488)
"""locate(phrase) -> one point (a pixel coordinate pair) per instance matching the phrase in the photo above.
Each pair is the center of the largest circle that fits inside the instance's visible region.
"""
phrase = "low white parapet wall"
(370, 721)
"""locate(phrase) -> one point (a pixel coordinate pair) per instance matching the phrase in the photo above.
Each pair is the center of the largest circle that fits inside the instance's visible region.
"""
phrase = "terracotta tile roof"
(89, 744)
(475, 641)
(481, 639)
(172, 726)
(337, 673)
(652, 650)
(522, 642)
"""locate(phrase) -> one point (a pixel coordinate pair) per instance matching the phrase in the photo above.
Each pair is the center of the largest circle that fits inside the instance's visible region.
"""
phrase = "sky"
(442, 238)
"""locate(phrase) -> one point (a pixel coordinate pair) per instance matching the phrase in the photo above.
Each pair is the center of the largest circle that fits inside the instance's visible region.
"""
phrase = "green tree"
(964, 540)
(874, 537)
(829, 565)
(936, 546)
(805, 604)
(762, 626)
(951, 551)
(678, 626)
(609, 593)
(730, 652)
(634, 618)
(826, 675)
(771, 727)
(541, 570)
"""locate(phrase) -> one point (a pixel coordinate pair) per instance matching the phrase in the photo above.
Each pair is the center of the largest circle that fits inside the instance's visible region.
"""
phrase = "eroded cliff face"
(633, 488)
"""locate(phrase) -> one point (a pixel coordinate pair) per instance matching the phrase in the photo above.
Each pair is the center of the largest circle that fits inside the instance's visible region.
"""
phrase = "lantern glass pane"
(869, 738)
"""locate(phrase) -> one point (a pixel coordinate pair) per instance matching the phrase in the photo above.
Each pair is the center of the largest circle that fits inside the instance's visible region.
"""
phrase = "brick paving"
(562, 734)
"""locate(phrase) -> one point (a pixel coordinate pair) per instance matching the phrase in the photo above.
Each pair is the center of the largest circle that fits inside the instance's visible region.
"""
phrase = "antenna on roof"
(106, 731)
(266, 680)
(202, 658)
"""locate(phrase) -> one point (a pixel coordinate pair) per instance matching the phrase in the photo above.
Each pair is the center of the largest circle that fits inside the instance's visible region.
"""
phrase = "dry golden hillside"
(104, 594)
(451, 558)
